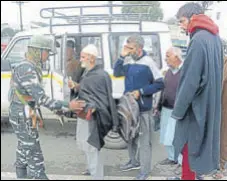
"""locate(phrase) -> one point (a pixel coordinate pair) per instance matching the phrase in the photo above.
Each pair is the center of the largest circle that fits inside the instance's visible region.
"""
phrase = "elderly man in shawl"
(99, 115)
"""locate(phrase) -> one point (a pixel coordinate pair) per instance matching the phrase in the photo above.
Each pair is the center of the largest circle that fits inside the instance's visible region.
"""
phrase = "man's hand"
(125, 51)
(71, 84)
(136, 94)
(77, 105)
(156, 112)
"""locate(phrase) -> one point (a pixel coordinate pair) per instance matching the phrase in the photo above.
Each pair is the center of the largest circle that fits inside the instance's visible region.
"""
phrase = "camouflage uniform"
(26, 79)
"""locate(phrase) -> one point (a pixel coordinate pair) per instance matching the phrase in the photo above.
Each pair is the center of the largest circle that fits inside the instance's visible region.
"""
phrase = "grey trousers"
(93, 156)
(28, 153)
(95, 164)
(140, 147)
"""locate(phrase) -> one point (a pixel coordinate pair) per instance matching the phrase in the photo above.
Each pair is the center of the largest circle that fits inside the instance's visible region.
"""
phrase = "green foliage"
(7, 32)
(155, 11)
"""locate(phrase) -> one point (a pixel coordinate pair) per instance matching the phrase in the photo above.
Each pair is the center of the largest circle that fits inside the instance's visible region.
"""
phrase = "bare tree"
(207, 4)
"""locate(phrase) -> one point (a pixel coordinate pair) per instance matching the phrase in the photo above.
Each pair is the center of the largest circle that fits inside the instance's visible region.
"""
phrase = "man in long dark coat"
(198, 103)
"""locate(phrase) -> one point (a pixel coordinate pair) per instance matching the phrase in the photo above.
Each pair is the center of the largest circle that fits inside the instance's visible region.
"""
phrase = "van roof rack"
(81, 18)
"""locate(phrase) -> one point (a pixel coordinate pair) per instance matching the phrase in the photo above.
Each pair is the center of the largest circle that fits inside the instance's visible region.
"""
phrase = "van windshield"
(15, 55)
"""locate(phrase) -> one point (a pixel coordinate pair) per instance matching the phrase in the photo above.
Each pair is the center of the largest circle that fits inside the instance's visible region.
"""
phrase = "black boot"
(43, 176)
(21, 172)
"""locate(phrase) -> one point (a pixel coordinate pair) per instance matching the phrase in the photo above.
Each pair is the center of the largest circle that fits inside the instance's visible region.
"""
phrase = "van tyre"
(114, 141)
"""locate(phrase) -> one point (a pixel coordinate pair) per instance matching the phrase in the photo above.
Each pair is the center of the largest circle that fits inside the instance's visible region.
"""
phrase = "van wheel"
(114, 141)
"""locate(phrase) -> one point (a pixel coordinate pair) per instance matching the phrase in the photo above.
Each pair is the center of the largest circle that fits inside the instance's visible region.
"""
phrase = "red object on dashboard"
(3, 46)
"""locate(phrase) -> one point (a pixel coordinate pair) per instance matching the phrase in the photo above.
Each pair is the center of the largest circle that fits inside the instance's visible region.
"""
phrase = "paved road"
(12, 176)
(62, 155)
(63, 159)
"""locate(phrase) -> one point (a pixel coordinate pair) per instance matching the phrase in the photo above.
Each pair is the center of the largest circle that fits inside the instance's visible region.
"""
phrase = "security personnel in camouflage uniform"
(26, 95)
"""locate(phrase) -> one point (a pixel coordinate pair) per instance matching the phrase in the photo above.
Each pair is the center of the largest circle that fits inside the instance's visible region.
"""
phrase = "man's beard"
(183, 31)
(134, 56)
(85, 65)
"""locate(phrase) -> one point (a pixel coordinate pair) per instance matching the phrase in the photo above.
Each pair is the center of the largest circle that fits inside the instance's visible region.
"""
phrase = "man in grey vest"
(172, 76)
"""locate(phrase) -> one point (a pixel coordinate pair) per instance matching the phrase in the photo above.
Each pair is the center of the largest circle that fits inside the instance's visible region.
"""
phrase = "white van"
(109, 37)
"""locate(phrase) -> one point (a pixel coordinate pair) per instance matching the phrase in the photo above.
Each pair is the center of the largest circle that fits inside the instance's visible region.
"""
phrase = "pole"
(21, 22)
(110, 3)
(20, 3)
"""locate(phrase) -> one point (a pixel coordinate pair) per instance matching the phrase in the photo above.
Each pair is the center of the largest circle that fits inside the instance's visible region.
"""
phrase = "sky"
(31, 9)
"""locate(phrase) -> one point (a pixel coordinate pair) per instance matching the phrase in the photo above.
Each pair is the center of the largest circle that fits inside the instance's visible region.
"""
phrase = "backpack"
(128, 114)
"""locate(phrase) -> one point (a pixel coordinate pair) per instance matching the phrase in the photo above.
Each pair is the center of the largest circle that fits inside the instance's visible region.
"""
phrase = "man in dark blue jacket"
(142, 79)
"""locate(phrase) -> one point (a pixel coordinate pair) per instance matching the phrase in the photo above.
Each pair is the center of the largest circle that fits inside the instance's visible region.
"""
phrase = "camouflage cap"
(42, 42)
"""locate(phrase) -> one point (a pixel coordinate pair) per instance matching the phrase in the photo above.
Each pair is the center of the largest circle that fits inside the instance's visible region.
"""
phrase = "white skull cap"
(91, 50)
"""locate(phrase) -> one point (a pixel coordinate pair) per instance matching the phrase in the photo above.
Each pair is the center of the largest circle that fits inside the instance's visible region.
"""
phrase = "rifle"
(36, 113)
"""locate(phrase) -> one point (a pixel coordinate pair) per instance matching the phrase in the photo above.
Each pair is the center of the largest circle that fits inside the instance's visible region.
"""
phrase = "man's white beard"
(87, 66)
(83, 65)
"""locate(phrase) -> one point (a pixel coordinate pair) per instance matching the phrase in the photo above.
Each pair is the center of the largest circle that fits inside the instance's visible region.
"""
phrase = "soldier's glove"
(59, 112)
(61, 107)
(65, 106)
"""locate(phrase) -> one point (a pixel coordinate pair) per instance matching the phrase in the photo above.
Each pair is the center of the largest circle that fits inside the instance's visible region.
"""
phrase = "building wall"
(219, 15)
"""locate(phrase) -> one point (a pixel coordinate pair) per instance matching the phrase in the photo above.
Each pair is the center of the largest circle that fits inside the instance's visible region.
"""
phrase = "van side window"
(79, 42)
(152, 47)
(96, 40)
(57, 61)
(15, 55)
